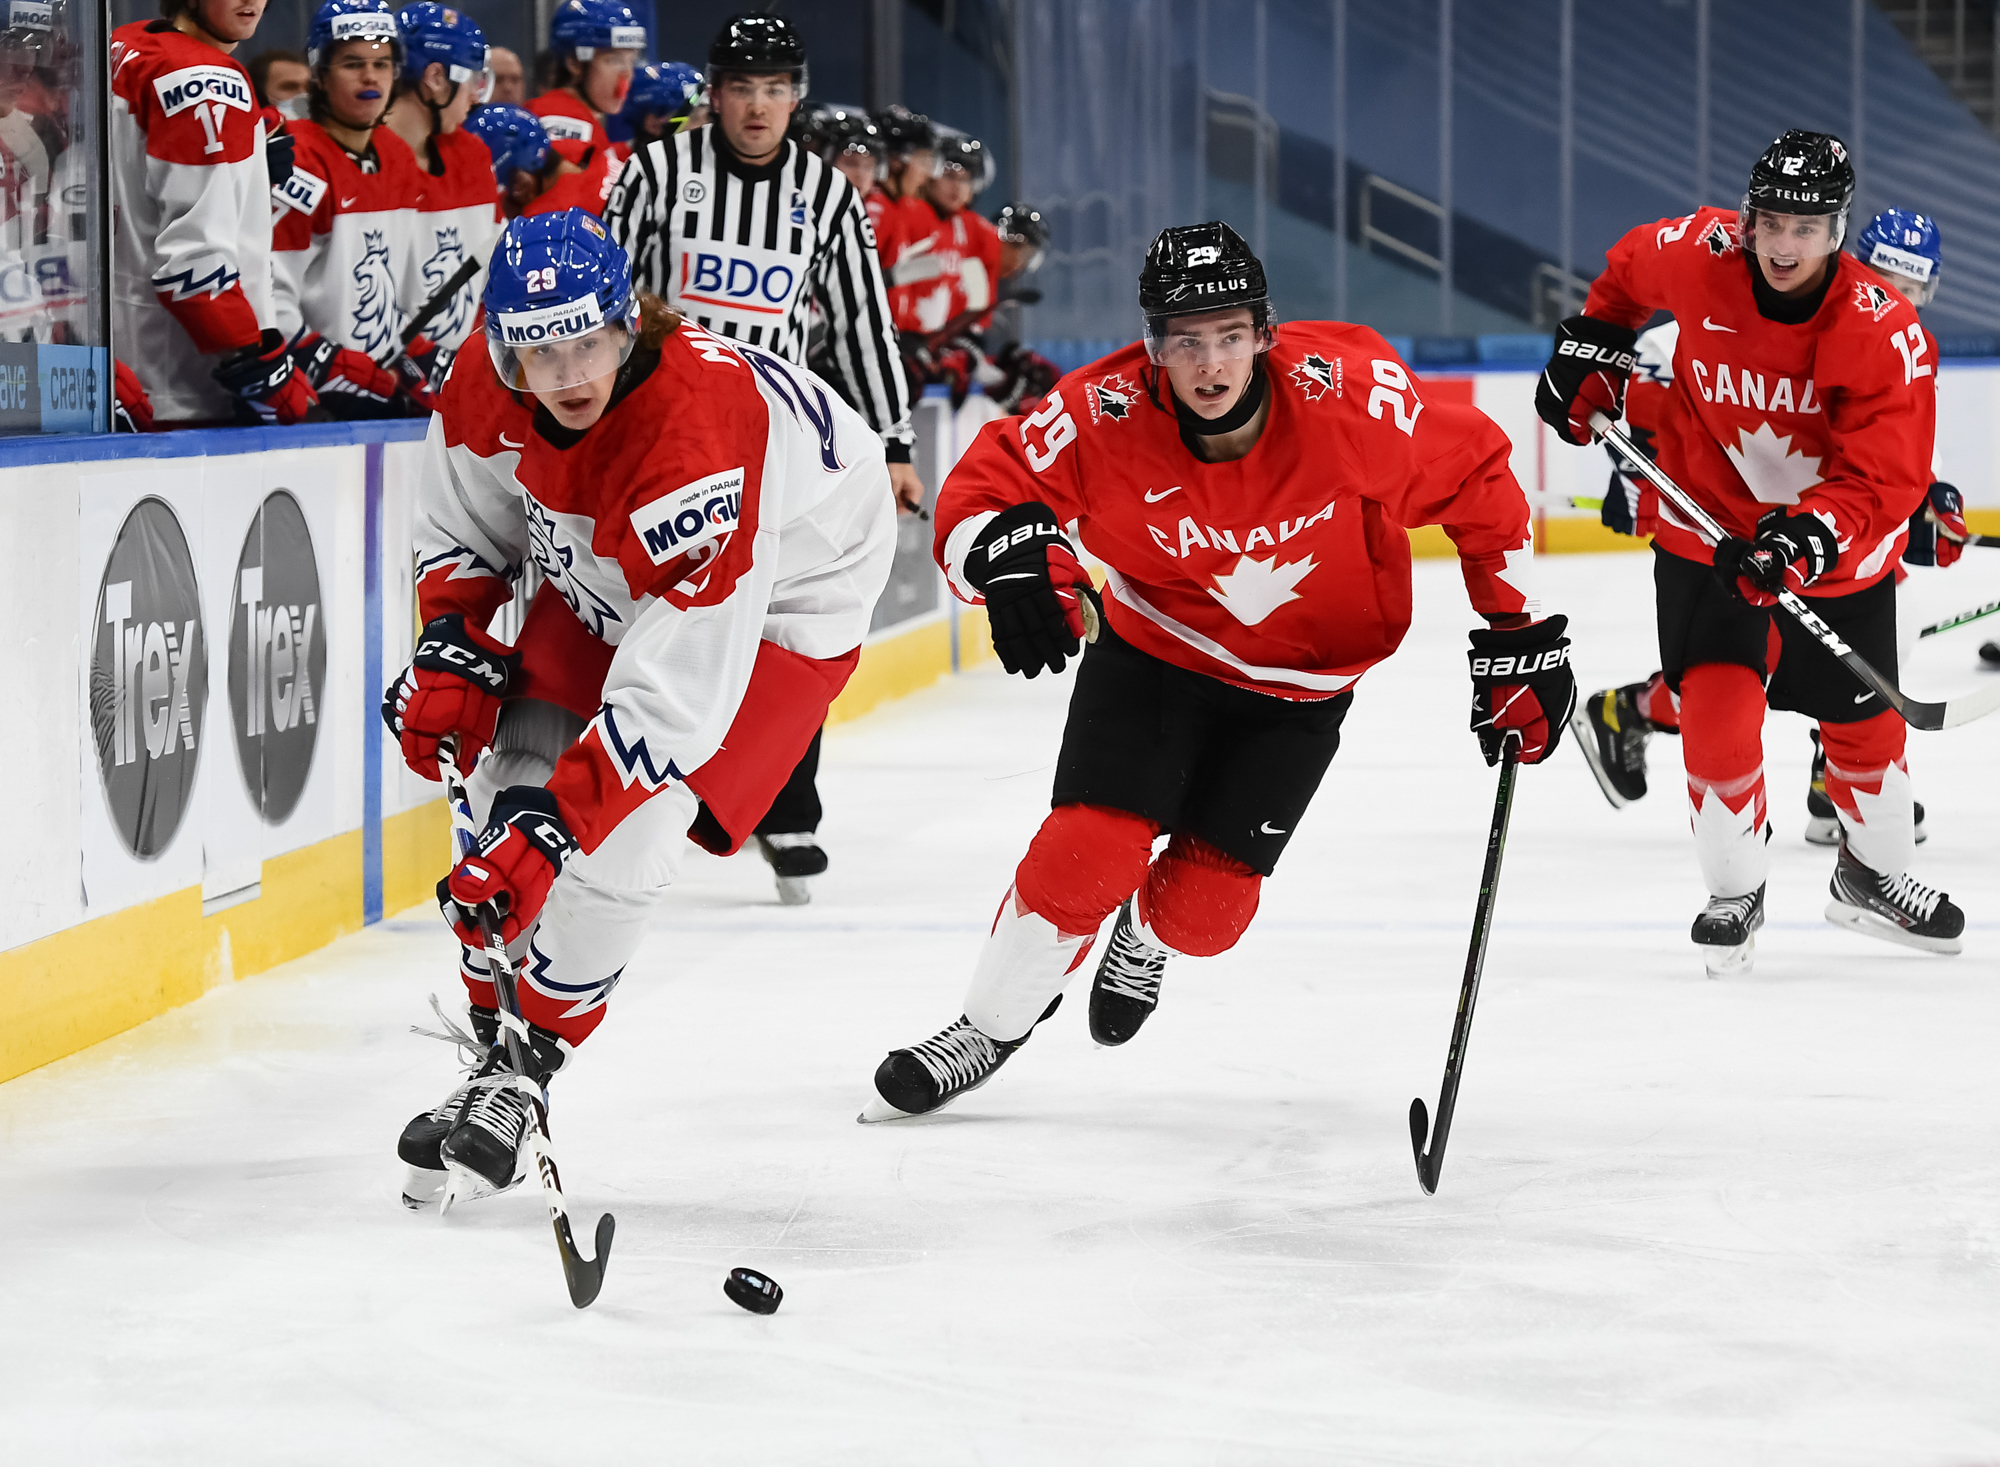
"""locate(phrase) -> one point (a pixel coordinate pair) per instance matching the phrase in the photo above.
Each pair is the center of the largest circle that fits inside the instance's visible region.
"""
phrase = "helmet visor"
(480, 81)
(1793, 238)
(560, 362)
(1227, 335)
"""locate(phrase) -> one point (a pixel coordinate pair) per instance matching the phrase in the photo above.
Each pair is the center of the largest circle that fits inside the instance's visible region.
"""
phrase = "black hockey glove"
(1522, 687)
(1586, 374)
(1034, 588)
(1790, 549)
(279, 149)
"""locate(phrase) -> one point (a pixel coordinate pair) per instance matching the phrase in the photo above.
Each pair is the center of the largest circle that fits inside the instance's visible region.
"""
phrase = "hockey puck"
(757, 1292)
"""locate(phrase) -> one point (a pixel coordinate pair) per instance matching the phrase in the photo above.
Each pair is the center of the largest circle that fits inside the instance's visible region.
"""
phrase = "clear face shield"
(1030, 254)
(1229, 335)
(559, 347)
(480, 82)
(1791, 238)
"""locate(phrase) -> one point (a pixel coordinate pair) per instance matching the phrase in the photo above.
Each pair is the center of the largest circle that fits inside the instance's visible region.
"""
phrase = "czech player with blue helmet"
(597, 43)
(665, 98)
(517, 146)
(713, 526)
(1906, 251)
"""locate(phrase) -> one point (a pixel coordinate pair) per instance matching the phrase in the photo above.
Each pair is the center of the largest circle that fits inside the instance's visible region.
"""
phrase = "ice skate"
(422, 1147)
(1822, 820)
(1726, 932)
(794, 858)
(1127, 987)
(1893, 908)
(929, 1076)
(1613, 733)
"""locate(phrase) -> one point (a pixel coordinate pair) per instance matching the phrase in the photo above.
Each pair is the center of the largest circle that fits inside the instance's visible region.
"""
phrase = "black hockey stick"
(435, 306)
(1431, 1162)
(1962, 618)
(585, 1276)
(1917, 713)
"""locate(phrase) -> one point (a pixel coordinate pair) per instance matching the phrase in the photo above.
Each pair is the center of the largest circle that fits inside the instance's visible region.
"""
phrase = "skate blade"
(878, 1109)
(793, 891)
(1586, 743)
(463, 1184)
(1822, 830)
(421, 1187)
(1730, 962)
(1856, 919)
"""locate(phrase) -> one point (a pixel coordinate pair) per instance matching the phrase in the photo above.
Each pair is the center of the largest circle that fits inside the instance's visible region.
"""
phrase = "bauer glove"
(1521, 685)
(454, 686)
(1937, 530)
(1790, 550)
(1586, 374)
(1034, 588)
(262, 376)
(507, 876)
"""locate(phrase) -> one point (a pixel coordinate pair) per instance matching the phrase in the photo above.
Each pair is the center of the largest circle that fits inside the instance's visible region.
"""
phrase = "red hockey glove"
(263, 377)
(422, 368)
(1790, 549)
(1522, 683)
(131, 408)
(1586, 374)
(454, 686)
(1034, 587)
(339, 371)
(508, 875)
(1937, 530)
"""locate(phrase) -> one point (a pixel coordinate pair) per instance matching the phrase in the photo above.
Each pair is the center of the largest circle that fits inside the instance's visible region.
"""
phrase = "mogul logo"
(277, 657)
(300, 191)
(551, 323)
(698, 514)
(192, 85)
(148, 678)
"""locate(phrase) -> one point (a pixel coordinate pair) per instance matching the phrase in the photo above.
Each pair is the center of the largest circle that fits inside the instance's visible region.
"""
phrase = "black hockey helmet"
(1023, 223)
(759, 45)
(1193, 269)
(968, 155)
(904, 131)
(1800, 173)
(836, 130)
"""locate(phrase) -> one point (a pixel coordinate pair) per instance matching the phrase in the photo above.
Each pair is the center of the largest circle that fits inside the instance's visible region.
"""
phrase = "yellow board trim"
(1557, 536)
(1983, 521)
(416, 853)
(899, 665)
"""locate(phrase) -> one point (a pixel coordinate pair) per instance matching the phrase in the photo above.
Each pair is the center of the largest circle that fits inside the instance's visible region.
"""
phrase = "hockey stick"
(585, 1276)
(435, 306)
(1961, 619)
(1918, 714)
(1431, 1162)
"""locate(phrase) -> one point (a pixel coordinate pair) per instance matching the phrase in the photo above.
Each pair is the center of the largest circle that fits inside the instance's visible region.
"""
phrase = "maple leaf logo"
(1314, 377)
(1774, 473)
(1720, 238)
(1111, 398)
(1872, 300)
(1256, 588)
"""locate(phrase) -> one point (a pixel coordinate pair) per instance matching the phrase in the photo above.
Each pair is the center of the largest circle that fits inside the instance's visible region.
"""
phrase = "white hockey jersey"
(458, 218)
(729, 500)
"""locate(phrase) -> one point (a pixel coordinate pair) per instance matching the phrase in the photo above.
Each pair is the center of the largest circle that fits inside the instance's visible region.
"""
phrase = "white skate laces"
(958, 1056)
(1132, 967)
(1910, 895)
(1733, 909)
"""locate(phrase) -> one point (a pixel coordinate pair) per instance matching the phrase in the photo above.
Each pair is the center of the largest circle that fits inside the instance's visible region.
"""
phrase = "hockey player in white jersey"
(191, 195)
(714, 526)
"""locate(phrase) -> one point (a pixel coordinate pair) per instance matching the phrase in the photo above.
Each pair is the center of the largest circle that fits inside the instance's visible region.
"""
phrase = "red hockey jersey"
(1835, 415)
(1287, 571)
(947, 272)
(191, 228)
(588, 190)
(566, 115)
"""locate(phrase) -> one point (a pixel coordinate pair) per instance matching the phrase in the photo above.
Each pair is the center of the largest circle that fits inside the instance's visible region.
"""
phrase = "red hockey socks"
(1082, 863)
(1869, 783)
(1722, 742)
(1196, 900)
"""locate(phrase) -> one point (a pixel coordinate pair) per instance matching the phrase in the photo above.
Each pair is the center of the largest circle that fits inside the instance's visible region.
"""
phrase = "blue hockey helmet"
(513, 135)
(582, 28)
(352, 20)
(671, 89)
(560, 309)
(453, 39)
(1899, 242)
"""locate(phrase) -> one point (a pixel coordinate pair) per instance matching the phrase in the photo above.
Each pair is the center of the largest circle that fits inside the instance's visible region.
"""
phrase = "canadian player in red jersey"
(191, 193)
(949, 273)
(346, 218)
(1801, 417)
(713, 526)
(1248, 593)
(444, 76)
(597, 43)
(896, 209)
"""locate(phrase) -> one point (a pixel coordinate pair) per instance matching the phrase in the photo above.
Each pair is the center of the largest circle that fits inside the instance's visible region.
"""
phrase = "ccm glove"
(1937, 530)
(1586, 374)
(508, 875)
(263, 377)
(338, 371)
(1522, 684)
(454, 686)
(1034, 588)
(1790, 549)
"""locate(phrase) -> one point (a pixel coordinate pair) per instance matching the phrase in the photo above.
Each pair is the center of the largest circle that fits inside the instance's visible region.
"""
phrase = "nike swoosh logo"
(1711, 326)
(348, 203)
(510, 443)
(1267, 828)
(1152, 498)
(1864, 697)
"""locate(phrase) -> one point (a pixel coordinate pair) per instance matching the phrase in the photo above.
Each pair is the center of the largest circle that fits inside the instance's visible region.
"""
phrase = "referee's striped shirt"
(745, 251)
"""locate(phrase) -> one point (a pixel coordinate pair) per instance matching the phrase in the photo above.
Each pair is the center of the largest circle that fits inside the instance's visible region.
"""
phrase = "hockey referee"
(744, 232)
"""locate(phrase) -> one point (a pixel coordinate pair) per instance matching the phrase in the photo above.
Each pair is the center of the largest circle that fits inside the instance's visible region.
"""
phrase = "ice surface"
(1681, 1221)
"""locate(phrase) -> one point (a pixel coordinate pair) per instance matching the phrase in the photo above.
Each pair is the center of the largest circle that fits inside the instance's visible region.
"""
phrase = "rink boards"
(199, 629)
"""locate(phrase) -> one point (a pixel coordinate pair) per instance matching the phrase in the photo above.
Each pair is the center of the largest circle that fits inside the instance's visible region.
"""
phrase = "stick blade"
(1420, 1130)
(585, 1276)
